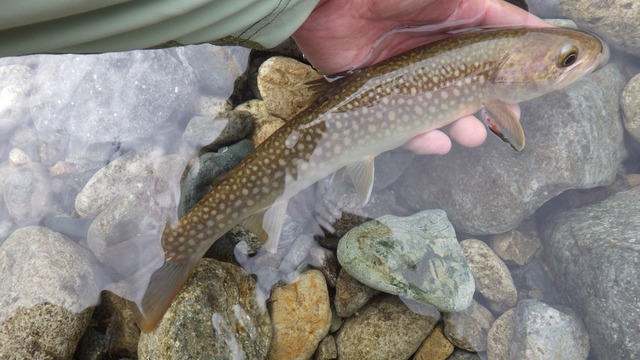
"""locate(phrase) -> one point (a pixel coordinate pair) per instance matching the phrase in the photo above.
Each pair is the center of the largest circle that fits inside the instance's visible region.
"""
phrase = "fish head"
(544, 60)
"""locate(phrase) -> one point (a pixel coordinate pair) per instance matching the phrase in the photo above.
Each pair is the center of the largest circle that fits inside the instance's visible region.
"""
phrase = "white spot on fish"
(292, 139)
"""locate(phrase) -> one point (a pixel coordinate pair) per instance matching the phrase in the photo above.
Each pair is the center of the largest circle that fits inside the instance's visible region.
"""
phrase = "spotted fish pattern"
(363, 114)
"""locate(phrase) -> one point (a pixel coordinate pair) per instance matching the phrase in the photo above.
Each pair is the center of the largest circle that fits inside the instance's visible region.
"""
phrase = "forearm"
(137, 24)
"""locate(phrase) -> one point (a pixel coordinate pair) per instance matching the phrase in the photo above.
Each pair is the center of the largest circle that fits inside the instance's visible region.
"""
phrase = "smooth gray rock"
(27, 194)
(217, 315)
(574, 140)
(417, 257)
(618, 21)
(594, 254)
(631, 106)
(533, 282)
(385, 329)
(218, 130)
(49, 285)
(201, 176)
(542, 332)
(500, 336)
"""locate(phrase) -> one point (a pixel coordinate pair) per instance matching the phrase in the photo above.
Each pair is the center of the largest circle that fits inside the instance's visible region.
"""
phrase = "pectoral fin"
(503, 122)
(254, 224)
(361, 174)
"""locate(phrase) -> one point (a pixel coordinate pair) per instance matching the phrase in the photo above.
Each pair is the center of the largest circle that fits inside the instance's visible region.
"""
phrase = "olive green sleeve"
(71, 26)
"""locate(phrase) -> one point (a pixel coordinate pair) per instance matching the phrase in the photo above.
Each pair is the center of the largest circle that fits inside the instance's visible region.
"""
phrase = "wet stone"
(301, 317)
(265, 124)
(500, 336)
(631, 107)
(617, 21)
(435, 347)
(542, 332)
(222, 129)
(459, 354)
(326, 349)
(351, 295)
(218, 314)
(385, 329)
(468, 329)
(50, 285)
(93, 346)
(594, 255)
(281, 82)
(201, 176)
(492, 277)
(123, 332)
(515, 247)
(27, 194)
(417, 257)
(533, 282)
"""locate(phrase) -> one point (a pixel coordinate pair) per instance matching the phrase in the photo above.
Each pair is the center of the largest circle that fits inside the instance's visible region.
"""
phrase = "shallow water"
(66, 117)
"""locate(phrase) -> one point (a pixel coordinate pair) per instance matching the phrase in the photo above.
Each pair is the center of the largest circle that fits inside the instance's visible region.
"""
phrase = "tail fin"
(164, 285)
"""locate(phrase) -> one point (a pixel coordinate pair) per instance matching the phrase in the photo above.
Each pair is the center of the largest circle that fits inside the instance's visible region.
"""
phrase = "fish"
(363, 114)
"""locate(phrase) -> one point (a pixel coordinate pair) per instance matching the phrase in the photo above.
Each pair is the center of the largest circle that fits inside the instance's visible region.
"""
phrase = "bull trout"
(363, 114)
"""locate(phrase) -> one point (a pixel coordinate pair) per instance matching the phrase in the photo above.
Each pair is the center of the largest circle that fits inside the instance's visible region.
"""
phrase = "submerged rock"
(594, 254)
(385, 329)
(49, 285)
(435, 347)
(491, 275)
(574, 140)
(218, 314)
(542, 332)
(631, 107)
(351, 295)
(468, 329)
(417, 257)
(301, 317)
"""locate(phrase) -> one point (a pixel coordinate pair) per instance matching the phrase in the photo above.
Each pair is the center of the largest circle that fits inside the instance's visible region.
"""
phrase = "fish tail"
(164, 285)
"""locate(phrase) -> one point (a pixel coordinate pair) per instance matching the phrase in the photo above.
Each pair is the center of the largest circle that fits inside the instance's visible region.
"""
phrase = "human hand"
(342, 35)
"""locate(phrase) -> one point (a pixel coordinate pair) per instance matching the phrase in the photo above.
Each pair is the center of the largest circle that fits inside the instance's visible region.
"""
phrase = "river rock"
(385, 329)
(301, 317)
(468, 329)
(533, 282)
(417, 257)
(574, 140)
(125, 175)
(618, 21)
(351, 295)
(26, 191)
(281, 82)
(326, 349)
(542, 332)
(517, 246)
(435, 347)
(50, 285)
(631, 107)
(218, 314)
(594, 255)
(500, 336)
(214, 131)
(265, 124)
(492, 277)
(201, 176)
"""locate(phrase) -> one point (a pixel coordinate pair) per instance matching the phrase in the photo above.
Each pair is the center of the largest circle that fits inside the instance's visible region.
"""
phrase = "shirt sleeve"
(71, 26)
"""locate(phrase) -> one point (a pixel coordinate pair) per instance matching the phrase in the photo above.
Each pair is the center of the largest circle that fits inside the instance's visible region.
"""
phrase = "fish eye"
(568, 56)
